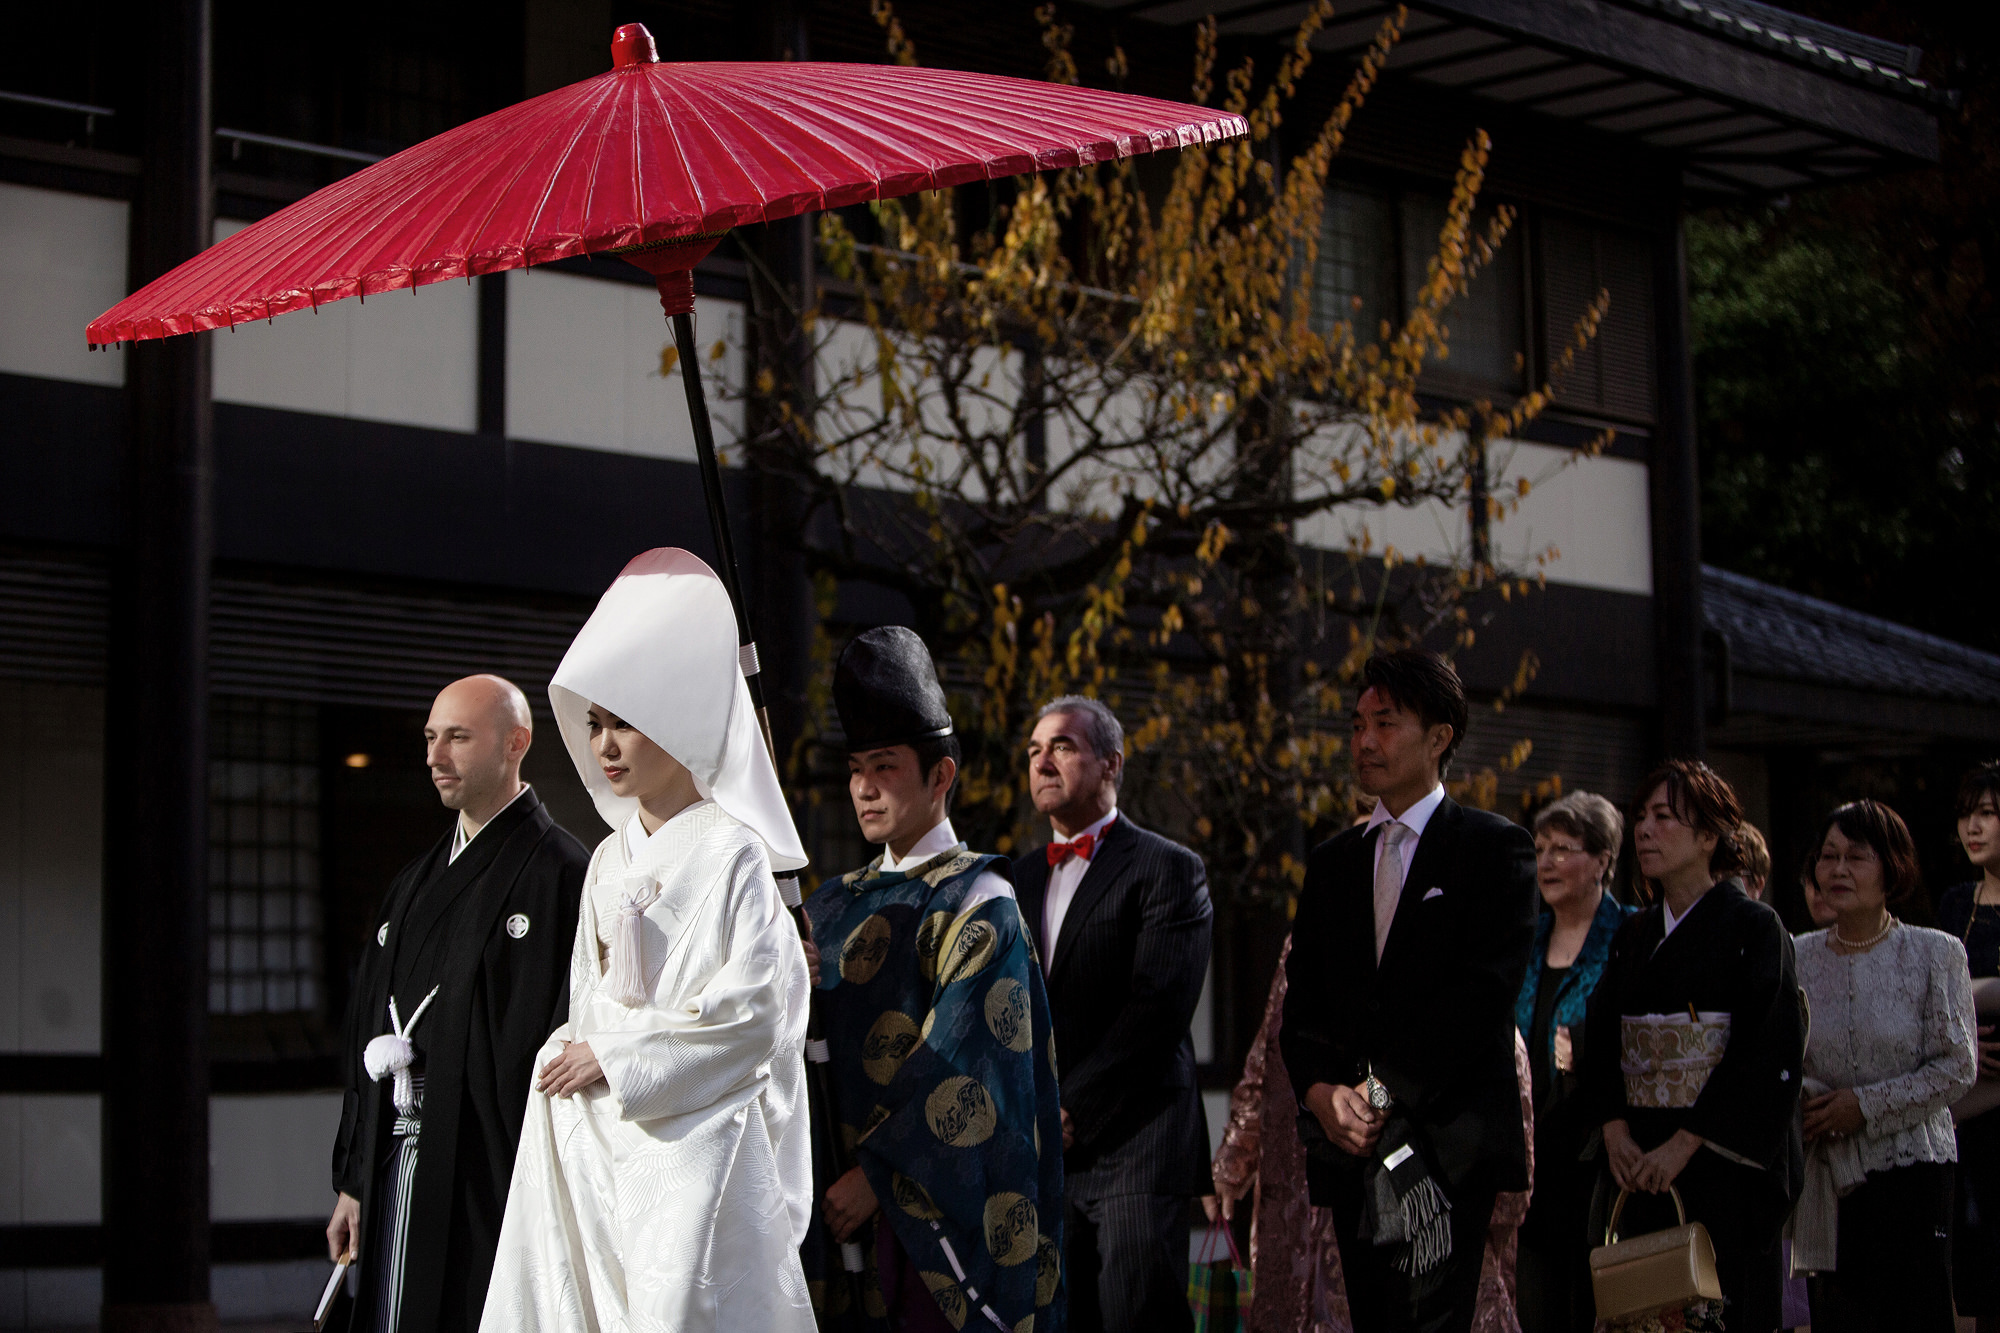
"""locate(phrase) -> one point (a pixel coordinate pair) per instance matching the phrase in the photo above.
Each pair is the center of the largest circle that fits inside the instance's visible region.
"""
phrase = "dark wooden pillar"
(784, 283)
(1675, 483)
(155, 1118)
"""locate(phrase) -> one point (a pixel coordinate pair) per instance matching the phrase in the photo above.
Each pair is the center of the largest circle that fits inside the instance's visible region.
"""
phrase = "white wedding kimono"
(674, 1195)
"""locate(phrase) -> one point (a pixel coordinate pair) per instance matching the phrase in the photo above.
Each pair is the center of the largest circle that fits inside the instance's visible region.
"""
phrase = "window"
(1353, 277)
(264, 940)
(1614, 375)
(1485, 323)
(1374, 252)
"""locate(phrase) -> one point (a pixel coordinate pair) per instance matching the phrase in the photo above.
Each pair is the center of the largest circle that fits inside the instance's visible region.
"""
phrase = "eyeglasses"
(1559, 855)
(1857, 857)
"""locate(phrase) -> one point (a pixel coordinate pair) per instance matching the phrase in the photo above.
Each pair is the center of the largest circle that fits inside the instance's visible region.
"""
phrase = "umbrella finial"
(633, 45)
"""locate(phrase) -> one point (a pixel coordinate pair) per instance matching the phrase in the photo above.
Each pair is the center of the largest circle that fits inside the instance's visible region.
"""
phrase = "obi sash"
(1667, 1058)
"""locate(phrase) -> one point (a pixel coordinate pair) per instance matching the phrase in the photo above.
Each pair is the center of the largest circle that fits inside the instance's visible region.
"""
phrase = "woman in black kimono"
(1694, 1043)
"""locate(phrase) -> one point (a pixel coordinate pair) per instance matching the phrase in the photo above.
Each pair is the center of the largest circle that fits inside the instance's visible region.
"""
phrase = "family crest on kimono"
(943, 1064)
(456, 990)
(664, 1176)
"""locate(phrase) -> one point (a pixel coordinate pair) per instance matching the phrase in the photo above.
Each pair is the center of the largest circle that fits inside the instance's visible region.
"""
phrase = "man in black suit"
(1121, 920)
(1408, 949)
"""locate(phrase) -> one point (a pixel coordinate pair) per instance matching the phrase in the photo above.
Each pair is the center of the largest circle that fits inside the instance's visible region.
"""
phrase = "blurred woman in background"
(1971, 912)
(1890, 1050)
(1576, 856)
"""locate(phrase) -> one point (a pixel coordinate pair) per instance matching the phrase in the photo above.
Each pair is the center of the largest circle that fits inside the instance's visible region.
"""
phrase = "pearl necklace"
(1869, 943)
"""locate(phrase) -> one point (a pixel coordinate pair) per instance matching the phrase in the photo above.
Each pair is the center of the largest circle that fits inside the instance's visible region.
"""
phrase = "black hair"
(1702, 799)
(1423, 683)
(934, 750)
(1979, 782)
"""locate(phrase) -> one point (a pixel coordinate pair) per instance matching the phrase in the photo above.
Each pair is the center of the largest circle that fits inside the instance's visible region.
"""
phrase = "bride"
(664, 1177)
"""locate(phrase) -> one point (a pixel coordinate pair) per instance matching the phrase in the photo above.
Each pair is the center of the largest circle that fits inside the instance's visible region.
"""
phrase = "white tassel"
(626, 980)
(393, 1053)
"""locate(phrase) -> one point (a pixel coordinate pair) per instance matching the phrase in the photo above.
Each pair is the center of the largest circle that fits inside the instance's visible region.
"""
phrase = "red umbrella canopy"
(662, 156)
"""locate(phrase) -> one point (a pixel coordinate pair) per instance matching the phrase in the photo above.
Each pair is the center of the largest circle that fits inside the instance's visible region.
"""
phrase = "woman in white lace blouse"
(1891, 1048)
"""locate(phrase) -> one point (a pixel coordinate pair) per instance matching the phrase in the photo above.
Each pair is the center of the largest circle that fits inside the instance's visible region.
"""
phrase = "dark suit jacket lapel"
(1424, 871)
(1110, 862)
(1031, 891)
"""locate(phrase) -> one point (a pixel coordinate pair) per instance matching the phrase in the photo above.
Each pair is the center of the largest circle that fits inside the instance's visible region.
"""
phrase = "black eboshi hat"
(885, 688)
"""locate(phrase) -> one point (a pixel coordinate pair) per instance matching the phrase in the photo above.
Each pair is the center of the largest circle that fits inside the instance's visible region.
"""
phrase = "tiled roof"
(1788, 636)
(1838, 51)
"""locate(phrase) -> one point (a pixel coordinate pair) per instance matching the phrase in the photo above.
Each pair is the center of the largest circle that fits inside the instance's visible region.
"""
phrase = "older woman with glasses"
(1576, 855)
(1891, 1048)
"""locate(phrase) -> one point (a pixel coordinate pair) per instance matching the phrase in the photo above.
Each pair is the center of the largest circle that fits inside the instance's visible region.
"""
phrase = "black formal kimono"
(1730, 954)
(492, 932)
(1434, 1021)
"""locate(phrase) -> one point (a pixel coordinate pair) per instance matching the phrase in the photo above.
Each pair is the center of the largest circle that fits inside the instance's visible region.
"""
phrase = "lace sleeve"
(1948, 1063)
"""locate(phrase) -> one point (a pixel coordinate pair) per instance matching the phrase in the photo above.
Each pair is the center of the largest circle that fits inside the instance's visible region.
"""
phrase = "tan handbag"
(1661, 1268)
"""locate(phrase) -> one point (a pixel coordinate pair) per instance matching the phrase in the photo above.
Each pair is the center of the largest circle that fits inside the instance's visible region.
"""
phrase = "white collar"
(460, 840)
(1092, 832)
(1415, 818)
(939, 839)
(637, 840)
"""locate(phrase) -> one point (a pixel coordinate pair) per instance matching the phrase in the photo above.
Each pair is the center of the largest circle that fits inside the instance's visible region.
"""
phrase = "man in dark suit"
(1411, 938)
(1121, 920)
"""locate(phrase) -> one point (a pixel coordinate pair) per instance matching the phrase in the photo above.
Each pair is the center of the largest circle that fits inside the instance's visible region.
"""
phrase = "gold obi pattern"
(1667, 1058)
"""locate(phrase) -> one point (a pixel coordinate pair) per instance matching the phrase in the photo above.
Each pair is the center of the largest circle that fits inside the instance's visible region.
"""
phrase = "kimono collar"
(873, 876)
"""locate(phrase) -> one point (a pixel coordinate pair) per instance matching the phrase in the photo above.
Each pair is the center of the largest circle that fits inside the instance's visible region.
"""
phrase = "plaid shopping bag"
(1219, 1286)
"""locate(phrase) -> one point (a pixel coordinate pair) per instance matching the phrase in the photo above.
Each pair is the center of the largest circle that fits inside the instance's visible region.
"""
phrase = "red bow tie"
(1081, 847)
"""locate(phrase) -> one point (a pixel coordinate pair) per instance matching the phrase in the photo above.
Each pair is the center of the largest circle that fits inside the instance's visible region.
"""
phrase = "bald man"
(466, 976)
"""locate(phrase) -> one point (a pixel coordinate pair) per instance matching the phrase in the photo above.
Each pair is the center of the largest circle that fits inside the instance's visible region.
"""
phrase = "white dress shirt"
(1063, 882)
(460, 839)
(1414, 819)
(943, 839)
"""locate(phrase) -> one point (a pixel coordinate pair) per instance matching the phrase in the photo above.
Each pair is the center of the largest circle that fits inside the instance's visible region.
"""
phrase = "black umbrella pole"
(818, 1057)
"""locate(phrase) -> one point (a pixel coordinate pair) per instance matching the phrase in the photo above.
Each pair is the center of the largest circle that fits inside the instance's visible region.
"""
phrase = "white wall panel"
(269, 1155)
(1594, 511)
(51, 1169)
(1591, 511)
(406, 356)
(51, 857)
(62, 264)
(583, 366)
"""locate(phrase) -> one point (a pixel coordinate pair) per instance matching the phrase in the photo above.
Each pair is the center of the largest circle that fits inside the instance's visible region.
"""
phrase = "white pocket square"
(1434, 893)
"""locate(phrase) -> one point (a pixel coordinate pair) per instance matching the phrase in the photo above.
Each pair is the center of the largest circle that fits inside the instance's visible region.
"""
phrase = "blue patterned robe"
(945, 1079)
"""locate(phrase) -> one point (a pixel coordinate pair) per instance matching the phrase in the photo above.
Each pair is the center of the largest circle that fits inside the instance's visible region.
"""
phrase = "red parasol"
(648, 154)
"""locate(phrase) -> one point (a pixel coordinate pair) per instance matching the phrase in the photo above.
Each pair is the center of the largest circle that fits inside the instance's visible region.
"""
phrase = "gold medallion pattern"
(960, 1112)
(1026, 1324)
(1048, 1270)
(913, 1198)
(1007, 1015)
(875, 1117)
(930, 938)
(950, 1303)
(967, 951)
(1010, 1229)
(938, 874)
(865, 951)
(889, 1042)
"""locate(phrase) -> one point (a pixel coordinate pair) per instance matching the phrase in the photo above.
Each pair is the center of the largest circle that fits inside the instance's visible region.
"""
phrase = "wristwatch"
(1377, 1092)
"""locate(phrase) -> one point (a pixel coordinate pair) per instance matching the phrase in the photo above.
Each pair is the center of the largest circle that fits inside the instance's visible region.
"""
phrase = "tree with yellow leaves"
(1080, 427)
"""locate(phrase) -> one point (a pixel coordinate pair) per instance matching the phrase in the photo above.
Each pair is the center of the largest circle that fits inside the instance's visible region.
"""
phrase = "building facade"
(438, 483)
